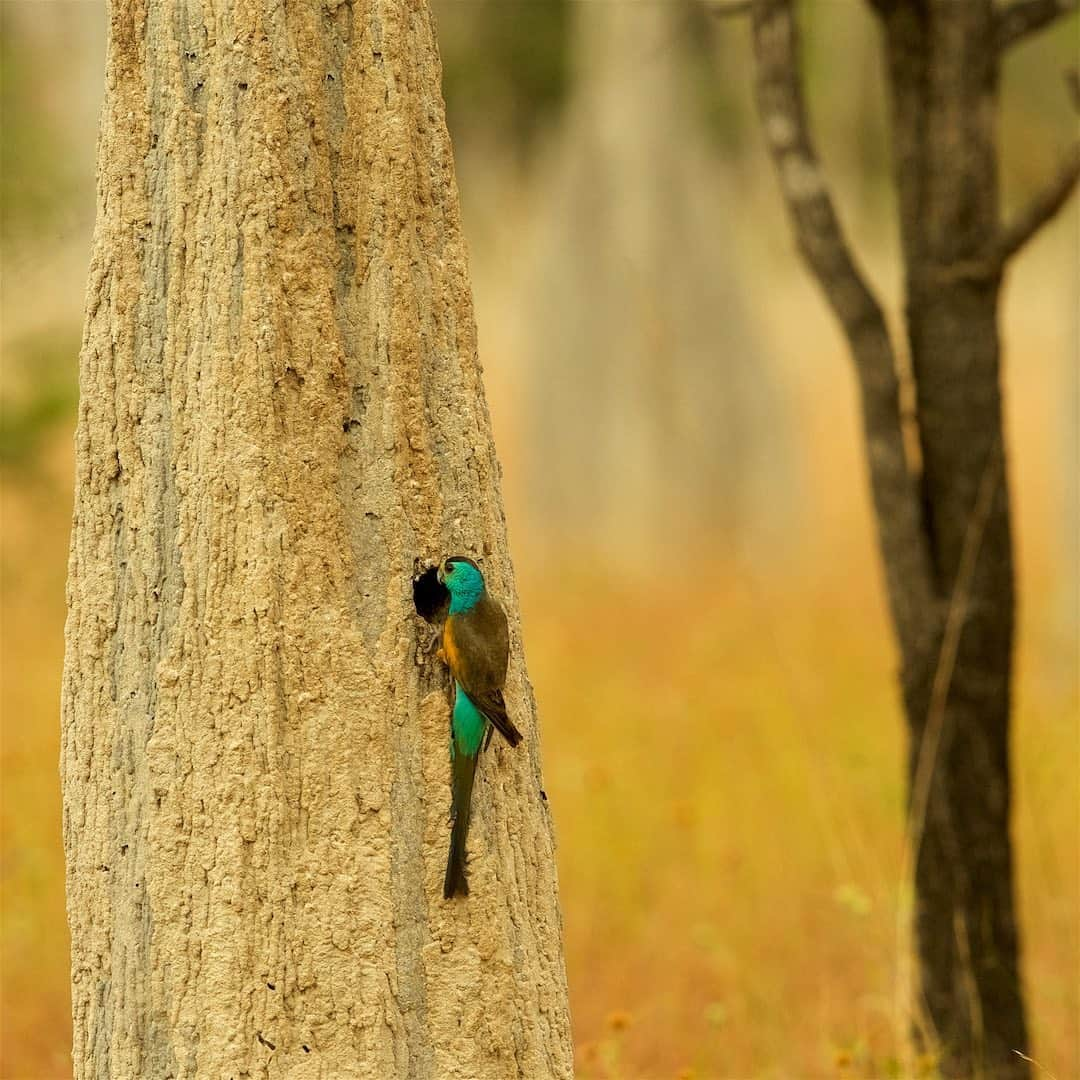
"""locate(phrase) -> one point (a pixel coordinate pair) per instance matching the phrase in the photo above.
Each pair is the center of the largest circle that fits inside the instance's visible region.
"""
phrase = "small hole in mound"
(430, 596)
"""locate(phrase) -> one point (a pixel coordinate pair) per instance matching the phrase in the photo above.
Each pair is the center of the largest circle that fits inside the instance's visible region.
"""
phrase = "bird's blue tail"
(463, 768)
(467, 729)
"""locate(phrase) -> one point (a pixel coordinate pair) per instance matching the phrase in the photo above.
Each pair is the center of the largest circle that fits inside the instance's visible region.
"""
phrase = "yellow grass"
(730, 806)
(35, 1036)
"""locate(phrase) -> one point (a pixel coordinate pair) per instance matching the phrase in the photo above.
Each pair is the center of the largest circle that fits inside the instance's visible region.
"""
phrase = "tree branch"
(1014, 235)
(1040, 209)
(1016, 21)
(822, 245)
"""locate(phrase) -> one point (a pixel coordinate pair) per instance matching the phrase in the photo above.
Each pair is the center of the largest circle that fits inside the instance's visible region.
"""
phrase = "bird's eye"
(448, 567)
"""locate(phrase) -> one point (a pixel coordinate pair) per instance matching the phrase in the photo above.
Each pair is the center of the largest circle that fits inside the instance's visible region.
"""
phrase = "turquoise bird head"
(466, 584)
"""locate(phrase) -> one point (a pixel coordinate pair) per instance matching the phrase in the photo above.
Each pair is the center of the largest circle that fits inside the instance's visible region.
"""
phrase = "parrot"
(476, 649)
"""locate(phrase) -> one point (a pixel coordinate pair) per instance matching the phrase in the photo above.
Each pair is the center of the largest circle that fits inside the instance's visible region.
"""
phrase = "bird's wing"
(477, 648)
(493, 707)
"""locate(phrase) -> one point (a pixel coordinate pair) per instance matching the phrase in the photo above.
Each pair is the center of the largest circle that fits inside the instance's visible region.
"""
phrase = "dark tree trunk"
(943, 520)
(943, 71)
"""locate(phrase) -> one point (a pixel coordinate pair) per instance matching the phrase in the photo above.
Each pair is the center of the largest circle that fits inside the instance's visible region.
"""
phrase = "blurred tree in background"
(36, 182)
(46, 209)
(506, 63)
(653, 410)
(941, 496)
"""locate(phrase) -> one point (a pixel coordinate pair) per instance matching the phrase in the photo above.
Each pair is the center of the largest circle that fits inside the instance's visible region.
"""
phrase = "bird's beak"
(439, 576)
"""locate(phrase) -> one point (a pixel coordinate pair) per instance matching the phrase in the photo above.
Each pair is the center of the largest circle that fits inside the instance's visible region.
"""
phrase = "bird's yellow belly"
(450, 649)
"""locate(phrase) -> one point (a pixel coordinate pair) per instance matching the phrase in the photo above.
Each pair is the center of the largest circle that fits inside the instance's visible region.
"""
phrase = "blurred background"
(723, 745)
